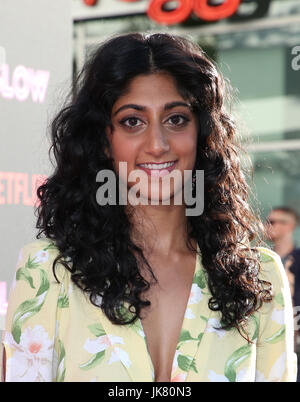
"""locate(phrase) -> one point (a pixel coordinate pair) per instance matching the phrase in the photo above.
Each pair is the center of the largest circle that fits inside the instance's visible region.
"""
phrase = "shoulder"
(275, 359)
(35, 289)
(268, 255)
(41, 244)
(272, 269)
(40, 253)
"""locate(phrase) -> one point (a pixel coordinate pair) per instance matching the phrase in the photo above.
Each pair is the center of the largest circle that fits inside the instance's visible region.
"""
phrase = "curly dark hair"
(97, 239)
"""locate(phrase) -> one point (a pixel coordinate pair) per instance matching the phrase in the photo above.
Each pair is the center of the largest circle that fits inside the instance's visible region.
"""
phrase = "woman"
(125, 291)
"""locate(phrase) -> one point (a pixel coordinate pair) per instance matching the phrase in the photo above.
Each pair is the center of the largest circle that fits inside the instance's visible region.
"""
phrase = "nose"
(156, 141)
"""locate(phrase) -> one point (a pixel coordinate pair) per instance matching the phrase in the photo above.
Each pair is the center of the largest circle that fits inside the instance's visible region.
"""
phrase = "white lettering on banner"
(23, 82)
(15, 186)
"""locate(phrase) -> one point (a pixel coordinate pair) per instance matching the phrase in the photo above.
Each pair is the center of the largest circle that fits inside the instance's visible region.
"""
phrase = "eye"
(178, 120)
(130, 122)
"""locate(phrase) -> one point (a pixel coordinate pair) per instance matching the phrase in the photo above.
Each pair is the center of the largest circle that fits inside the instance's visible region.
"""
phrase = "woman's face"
(154, 132)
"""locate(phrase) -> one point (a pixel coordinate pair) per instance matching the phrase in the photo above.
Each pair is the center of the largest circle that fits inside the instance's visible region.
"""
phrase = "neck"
(162, 228)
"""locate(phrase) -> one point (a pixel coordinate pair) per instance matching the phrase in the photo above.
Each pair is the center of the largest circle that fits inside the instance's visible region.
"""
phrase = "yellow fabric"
(54, 333)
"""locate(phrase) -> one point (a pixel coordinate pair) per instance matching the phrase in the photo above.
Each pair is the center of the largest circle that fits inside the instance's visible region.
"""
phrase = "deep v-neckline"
(183, 324)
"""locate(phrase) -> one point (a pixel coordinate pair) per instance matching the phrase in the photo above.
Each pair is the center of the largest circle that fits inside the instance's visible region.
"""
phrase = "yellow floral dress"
(54, 333)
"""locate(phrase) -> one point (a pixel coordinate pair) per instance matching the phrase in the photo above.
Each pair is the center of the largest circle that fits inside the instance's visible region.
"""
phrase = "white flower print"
(70, 289)
(278, 316)
(196, 294)
(32, 357)
(260, 377)
(276, 371)
(214, 377)
(41, 256)
(189, 314)
(241, 376)
(102, 343)
(141, 333)
(212, 324)
(62, 288)
(278, 368)
(119, 355)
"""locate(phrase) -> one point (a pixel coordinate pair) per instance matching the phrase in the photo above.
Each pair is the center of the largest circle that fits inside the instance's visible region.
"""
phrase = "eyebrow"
(167, 106)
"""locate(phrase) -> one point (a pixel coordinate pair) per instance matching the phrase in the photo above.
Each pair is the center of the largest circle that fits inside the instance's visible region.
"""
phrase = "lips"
(158, 169)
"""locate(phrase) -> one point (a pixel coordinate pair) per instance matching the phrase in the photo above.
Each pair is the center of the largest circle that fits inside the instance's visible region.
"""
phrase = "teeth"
(156, 166)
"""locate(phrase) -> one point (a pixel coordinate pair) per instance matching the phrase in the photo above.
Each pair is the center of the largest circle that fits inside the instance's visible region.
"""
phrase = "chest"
(163, 321)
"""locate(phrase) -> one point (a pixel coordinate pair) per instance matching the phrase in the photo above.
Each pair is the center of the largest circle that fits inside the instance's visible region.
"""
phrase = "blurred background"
(44, 44)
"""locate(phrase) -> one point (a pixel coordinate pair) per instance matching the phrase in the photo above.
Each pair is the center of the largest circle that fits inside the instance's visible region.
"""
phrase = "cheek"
(186, 148)
(124, 149)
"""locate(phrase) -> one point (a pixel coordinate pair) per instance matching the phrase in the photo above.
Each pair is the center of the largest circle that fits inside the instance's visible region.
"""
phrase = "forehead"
(151, 87)
(281, 215)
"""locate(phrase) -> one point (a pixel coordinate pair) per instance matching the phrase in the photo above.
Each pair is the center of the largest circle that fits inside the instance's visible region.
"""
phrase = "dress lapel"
(133, 352)
(194, 325)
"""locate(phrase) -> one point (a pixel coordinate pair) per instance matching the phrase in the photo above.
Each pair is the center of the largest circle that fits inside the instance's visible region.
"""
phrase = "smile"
(155, 169)
(157, 165)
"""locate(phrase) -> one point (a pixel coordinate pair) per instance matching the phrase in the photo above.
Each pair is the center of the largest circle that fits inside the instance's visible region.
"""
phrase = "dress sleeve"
(29, 335)
(276, 360)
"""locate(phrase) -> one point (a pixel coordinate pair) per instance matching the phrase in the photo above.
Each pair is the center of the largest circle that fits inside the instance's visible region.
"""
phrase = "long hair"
(97, 239)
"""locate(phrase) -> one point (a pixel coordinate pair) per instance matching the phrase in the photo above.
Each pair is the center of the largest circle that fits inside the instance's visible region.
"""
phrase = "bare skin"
(163, 322)
(173, 265)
